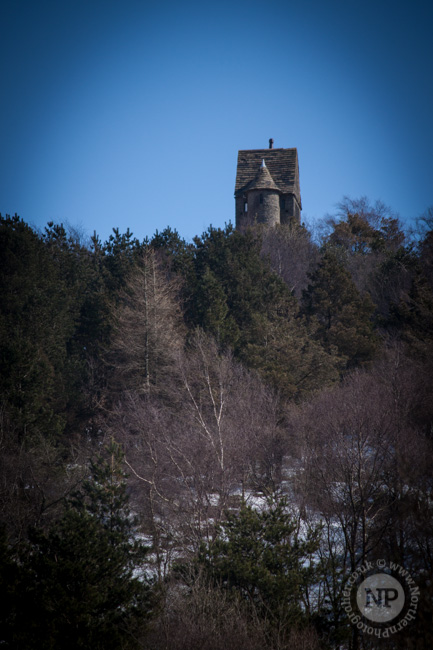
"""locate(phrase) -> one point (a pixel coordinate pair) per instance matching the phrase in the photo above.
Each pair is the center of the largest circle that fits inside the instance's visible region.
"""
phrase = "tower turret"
(263, 198)
(267, 187)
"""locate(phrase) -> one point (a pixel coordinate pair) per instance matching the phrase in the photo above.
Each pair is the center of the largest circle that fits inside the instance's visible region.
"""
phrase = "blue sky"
(131, 114)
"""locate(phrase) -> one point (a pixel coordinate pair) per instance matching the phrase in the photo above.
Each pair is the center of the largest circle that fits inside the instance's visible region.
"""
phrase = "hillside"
(202, 442)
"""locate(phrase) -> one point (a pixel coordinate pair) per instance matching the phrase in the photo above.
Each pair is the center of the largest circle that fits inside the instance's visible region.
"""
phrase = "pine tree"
(235, 296)
(342, 314)
(413, 316)
(79, 584)
(287, 356)
(37, 317)
(213, 312)
(246, 282)
(261, 557)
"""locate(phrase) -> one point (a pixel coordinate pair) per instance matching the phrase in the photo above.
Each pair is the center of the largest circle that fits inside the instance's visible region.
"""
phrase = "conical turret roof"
(262, 180)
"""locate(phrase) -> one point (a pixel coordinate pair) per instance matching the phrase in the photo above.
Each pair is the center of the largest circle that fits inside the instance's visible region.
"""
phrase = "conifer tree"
(147, 327)
(413, 316)
(342, 313)
(80, 585)
(36, 323)
(261, 557)
(212, 310)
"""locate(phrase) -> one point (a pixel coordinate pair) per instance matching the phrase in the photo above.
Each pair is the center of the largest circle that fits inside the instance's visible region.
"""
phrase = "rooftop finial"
(263, 163)
(271, 143)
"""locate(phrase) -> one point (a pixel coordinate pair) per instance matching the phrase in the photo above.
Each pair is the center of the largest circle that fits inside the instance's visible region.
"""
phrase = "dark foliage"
(73, 586)
(239, 364)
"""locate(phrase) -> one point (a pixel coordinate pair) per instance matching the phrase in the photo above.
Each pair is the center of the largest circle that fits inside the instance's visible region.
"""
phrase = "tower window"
(245, 207)
(261, 199)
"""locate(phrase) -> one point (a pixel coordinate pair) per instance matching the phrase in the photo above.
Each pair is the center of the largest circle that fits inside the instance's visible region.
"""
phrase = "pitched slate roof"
(281, 163)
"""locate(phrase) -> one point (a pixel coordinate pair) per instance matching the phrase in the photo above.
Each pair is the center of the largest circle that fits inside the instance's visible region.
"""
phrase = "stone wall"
(290, 210)
(264, 207)
(241, 215)
(283, 168)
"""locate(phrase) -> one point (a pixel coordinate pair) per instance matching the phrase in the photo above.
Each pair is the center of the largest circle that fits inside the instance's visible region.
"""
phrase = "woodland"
(201, 442)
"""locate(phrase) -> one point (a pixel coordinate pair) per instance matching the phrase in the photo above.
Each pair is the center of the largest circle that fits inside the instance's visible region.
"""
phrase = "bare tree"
(148, 327)
(365, 458)
(200, 616)
(347, 445)
(199, 446)
(292, 254)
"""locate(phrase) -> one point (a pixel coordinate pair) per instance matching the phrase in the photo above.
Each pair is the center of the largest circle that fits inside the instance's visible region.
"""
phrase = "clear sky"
(131, 113)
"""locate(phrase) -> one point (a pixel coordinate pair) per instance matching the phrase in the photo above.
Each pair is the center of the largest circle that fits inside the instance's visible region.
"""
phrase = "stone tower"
(267, 187)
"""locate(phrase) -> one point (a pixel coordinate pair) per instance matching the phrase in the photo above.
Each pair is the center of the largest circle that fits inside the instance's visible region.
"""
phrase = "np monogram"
(385, 595)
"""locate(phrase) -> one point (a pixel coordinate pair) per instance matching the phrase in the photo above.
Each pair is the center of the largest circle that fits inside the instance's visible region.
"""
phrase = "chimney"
(271, 143)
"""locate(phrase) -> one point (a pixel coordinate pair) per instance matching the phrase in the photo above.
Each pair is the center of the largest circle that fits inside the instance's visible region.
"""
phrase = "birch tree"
(209, 437)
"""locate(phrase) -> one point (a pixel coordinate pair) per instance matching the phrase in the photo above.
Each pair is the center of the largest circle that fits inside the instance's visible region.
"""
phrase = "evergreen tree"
(52, 300)
(234, 295)
(247, 283)
(413, 316)
(79, 585)
(37, 320)
(342, 313)
(283, 350)
(262, 558)
(174, 250)
(121, 252)
(212, 309)
(363, 229)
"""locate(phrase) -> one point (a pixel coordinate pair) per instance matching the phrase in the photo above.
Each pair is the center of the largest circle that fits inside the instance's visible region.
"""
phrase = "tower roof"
(282, 165)
(262, 180)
